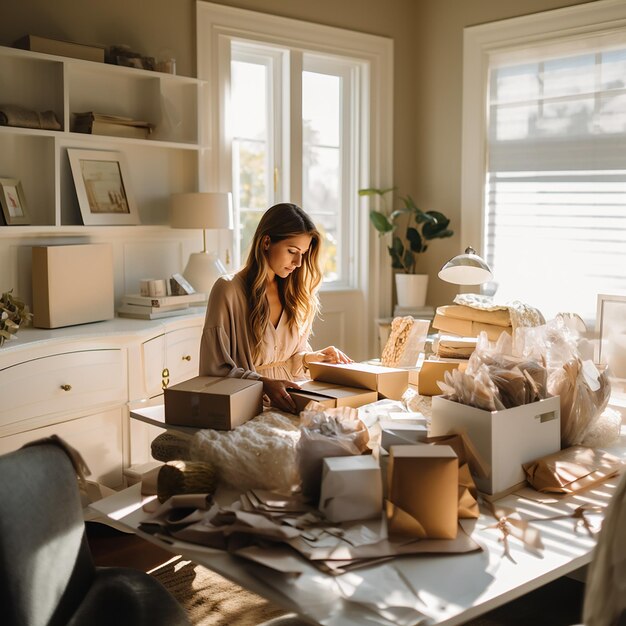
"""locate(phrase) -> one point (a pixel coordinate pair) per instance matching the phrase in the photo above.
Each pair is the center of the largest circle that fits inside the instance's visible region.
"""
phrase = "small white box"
(393, 433)
(503, 439)
(351, 488)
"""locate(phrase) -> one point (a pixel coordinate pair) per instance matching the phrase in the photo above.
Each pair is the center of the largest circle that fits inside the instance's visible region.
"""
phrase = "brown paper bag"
(468, 458)
(572, 469)
(422, 494)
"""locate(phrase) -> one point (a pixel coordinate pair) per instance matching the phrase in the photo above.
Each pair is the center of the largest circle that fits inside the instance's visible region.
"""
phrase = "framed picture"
(12, 200)
(611, 327)
(102, 186)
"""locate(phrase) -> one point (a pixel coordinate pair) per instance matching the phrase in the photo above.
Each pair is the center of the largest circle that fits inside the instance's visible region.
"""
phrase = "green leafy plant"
(423, 226)
(13, 314)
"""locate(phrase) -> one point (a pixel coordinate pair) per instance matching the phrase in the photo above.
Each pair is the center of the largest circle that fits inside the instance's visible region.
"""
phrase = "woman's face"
(285, 256)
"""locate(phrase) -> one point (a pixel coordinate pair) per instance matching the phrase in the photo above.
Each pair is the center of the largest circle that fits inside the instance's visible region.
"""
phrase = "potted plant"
(406, 245)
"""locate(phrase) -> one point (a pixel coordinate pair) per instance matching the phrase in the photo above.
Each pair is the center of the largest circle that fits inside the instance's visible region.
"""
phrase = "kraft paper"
(572, 469)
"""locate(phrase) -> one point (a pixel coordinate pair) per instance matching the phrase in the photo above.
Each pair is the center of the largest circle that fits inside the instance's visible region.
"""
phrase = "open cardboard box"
(210, 402)
(387, 381)
(433, 370)
(331, 396)
(503, 439)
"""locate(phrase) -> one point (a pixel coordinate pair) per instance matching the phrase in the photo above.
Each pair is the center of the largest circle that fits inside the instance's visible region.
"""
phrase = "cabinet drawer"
(97, 437)
(65, 383)
(177, 352)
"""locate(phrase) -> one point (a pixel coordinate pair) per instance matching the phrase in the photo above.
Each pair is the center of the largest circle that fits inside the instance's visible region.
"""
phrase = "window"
(327, 148)
(301, 112)
(554, 200)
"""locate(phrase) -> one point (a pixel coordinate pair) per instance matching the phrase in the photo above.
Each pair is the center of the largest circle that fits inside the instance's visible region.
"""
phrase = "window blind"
(555, 214)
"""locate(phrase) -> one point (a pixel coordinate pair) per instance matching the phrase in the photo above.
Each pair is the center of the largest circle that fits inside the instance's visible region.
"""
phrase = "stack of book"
(111, 125)
(156, 307)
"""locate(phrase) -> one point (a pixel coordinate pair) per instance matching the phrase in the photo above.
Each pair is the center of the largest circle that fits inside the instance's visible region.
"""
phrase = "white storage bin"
(504, 439)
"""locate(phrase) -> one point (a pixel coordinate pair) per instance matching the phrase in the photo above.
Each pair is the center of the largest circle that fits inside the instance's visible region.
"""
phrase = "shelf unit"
(170, 161)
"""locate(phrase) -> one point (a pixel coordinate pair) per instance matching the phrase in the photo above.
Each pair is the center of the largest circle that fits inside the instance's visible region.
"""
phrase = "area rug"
(210, 599)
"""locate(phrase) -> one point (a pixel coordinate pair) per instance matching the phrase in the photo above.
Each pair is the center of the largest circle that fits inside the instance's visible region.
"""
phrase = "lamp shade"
(206, 210)
(466, 269)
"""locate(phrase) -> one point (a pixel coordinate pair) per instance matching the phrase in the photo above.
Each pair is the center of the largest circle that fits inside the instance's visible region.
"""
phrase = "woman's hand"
(327, 355)
(276, 391)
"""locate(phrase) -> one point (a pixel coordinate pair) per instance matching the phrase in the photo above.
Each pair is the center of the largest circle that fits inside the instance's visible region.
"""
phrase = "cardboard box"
(394, 433)
(35, 43)
(433, 370)
(388, 382)
(210, 402)
(72, 284)
(468, 328)
(351, 488)
(331, 396)
(423, 492)
(503, 439)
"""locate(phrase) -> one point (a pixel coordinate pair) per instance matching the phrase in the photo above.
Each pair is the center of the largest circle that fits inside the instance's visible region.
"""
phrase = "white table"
(451, 589)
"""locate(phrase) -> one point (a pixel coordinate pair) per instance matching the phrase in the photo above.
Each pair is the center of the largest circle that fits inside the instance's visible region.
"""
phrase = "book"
(126, 311)
(160, 301)
(143, 308)
(35, 43)
(111, 125)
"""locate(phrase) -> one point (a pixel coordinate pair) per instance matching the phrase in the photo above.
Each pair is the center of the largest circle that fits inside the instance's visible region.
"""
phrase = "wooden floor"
(112, 548)
(556, 604)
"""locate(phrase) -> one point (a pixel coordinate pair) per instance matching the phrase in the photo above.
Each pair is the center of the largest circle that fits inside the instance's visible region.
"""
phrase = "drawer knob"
(66, 387)
(187, 357)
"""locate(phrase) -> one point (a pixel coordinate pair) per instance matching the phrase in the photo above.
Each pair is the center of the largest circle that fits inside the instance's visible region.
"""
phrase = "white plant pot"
(411, 290)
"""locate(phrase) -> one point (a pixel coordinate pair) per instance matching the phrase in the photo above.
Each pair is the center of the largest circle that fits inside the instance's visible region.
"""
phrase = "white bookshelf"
(169, 161)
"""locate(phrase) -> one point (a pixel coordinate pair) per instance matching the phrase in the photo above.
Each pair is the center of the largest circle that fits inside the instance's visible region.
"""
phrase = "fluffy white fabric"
(260, 454)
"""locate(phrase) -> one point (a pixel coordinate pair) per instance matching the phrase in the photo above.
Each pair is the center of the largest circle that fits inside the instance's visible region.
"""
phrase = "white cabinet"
(170, 358)
(78, 394)
(165, 163)
(76, 382)
(97, 436)
(159, 362)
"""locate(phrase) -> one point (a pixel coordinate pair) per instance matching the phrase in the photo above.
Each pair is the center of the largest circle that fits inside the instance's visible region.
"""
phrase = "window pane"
(249, 83)
(555, 213)
(321, 162)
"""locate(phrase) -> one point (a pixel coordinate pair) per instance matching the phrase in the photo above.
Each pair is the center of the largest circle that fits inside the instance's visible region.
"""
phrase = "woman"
(258, 321)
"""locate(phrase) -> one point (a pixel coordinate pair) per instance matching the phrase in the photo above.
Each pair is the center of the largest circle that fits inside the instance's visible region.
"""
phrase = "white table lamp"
(466, 269)
(208, 211)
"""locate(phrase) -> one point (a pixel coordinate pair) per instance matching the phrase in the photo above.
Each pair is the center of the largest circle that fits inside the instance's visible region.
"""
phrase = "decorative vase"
(411, 290)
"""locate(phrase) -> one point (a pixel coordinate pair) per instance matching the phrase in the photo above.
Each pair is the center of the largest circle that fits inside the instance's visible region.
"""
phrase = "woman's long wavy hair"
(298, 292)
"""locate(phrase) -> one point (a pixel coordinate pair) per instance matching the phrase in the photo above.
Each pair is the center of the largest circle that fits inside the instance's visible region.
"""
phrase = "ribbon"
(578, 515)
(509, 522)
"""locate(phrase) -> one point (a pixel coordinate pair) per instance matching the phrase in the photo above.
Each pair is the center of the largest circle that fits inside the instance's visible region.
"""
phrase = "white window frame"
(350, 143)
(217, 26)
(273, 60)
(566, 25)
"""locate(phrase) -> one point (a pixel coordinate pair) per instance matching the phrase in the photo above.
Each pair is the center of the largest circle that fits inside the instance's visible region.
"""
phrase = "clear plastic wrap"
(584, 393)
(495, 379)
(326, 433)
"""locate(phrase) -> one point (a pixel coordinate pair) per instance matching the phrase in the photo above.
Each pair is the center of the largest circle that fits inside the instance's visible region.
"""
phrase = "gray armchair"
(47, 576)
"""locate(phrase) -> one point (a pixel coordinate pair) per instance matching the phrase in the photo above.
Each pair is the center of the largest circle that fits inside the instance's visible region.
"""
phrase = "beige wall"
(428, 38)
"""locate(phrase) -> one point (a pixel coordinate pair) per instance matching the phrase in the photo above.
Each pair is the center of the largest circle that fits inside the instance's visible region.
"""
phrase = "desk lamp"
(209, 211)
(466, 269)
